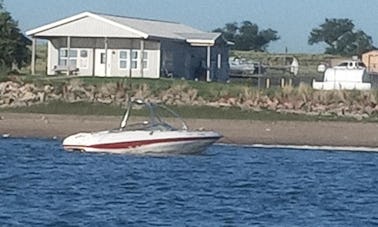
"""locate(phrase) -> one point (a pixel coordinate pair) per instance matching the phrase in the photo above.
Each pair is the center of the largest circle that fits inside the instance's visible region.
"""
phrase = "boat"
(154, 136)
(242, 68)
(348, 75)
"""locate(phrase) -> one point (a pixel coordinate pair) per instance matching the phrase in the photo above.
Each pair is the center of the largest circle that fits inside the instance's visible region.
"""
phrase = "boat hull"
(142, 142)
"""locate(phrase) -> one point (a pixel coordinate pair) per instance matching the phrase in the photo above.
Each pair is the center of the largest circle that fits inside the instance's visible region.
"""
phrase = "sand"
(246, 132)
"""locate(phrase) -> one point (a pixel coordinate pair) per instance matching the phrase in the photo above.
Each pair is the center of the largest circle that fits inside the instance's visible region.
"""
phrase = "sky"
(292, 19)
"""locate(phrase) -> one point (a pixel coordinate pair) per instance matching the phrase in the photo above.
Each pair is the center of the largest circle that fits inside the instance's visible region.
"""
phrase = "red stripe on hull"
(135, 144)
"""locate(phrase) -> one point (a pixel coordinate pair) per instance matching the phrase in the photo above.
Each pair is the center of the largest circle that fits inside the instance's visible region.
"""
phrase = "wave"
(308, 147)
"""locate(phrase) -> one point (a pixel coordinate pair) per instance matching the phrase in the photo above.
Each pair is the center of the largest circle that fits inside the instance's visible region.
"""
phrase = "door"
(102, 62)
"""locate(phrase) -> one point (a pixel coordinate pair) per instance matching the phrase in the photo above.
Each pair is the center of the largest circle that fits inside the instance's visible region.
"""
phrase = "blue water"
(43, 185)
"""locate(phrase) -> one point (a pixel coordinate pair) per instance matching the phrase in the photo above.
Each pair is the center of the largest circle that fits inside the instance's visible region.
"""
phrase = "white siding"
(84, 64)
(152, 71)
(52, 59)
(89, 27)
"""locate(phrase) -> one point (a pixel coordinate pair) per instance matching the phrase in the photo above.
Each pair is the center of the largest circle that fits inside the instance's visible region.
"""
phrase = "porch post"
(33, 56)
(106, 55)
(130, 58)
(93, 61)
(208, 79)
(68, 55)
(141, 57)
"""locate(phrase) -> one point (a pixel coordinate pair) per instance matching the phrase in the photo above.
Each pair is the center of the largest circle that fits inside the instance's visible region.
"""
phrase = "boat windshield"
(146, 126)
(156, 114)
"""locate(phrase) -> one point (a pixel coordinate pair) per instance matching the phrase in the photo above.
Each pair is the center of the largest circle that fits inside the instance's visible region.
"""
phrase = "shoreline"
(240, 132)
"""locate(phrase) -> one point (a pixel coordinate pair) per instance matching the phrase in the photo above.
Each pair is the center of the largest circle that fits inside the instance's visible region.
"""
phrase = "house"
(370, 59)
(94, 44)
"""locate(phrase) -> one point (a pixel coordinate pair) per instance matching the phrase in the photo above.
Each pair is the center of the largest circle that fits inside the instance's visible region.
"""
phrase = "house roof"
(370, 52)
(120, 26)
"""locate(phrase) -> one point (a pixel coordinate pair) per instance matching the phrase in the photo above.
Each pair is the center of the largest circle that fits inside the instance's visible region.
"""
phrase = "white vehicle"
(153, 136)
(347, 75)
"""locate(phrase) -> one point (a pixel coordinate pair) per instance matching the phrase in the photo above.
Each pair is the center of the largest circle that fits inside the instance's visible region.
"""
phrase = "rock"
(288, 105)
(369, 110)
(232, 101)
(272, 105)
(299, 104)
(223, 104)
(192, 93)
(340, 111)
(28, 96)
(48, 88)
(12, 86)
(213, 104)
(319, 108)
(41, 96)
(27, 88)
(120, 95)
(179, 103)
(53, 96)
(2, 87)
(104, 100)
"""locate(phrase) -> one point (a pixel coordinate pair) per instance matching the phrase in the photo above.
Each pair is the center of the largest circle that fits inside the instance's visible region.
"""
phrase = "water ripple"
(41, 185)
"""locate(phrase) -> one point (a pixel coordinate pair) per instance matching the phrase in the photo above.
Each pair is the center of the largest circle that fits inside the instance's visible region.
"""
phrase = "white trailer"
(348, 77)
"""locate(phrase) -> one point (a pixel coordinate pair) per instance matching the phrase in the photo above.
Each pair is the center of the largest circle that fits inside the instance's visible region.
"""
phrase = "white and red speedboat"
(153, 136)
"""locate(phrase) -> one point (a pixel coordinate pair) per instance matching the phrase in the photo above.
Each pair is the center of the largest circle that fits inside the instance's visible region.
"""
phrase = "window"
(361, 64)
(83, 53)
(343, 64)
(102, 58)
(134, 59)
(219, 61)
(145, 60)
(64, 51)
(123, 59)
(63, 57)
(83, 61)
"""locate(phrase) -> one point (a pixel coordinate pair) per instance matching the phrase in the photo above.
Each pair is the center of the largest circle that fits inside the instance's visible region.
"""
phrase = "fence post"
(258, 82)
(267, 82)
(282, 82)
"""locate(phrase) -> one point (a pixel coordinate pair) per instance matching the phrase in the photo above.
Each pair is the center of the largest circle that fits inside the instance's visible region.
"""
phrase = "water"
(42, 185)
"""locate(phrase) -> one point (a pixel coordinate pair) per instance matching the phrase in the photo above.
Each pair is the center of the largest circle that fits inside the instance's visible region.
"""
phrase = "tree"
(341, 37)
(229, 31)
(13, 44)
(248, 36)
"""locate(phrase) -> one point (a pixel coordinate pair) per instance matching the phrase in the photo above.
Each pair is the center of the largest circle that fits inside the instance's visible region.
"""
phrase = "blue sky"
(293, 19)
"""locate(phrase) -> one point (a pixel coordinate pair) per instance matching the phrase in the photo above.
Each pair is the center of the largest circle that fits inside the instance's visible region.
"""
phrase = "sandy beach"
(235, 131)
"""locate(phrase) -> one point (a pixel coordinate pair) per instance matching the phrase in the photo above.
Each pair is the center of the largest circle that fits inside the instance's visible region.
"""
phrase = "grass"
(194, 112)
